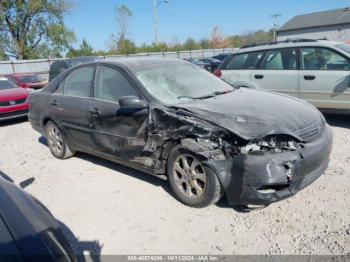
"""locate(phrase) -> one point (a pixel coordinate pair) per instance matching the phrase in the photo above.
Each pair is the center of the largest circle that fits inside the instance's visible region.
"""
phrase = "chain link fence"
(42, 66)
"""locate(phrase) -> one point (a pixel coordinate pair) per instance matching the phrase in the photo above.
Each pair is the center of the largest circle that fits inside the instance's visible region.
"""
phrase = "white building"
(333, 25)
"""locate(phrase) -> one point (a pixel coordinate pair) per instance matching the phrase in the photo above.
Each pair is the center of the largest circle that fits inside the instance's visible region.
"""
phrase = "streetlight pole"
(156, 3)
(275, 25)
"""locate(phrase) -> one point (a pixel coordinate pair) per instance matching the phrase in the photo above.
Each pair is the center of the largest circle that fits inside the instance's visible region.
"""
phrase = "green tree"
(84, 50)
(3, 44)
(190, 44)
(34, 28)
(126, 46)
(205, 43)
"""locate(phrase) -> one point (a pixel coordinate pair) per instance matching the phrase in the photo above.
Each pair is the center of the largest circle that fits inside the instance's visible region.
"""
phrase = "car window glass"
(60, 88)
(344, 47)
(5, 84)
(174, 83)
(314, 58)
(245, 61)
(284, 59)
(78, 82)
(110, 85)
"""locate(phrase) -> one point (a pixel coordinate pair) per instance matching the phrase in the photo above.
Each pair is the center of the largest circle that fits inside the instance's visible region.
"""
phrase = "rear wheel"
(192, 183)
(57, 143)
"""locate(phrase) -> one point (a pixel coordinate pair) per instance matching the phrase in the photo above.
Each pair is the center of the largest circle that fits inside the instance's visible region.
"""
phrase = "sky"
(95, 21)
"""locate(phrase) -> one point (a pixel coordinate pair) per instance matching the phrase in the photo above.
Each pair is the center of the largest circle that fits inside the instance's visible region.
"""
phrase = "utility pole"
(275, 25)
(156, 3)
(155, 21)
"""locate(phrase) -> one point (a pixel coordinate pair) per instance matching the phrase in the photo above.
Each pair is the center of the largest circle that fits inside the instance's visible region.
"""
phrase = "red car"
(13, 100)
(35, 81)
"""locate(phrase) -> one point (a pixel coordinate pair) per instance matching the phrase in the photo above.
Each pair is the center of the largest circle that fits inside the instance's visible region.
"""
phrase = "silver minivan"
(317, 71)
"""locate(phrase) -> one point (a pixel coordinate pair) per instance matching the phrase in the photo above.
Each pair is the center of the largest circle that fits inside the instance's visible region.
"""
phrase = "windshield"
(344, 47)
(180, 82)
(6, 84)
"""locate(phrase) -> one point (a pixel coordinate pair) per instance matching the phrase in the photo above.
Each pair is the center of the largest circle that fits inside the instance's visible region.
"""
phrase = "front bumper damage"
(261, 179)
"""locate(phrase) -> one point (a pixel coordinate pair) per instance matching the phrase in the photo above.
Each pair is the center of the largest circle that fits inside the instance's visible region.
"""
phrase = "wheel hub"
(189, 175)
(55, 139)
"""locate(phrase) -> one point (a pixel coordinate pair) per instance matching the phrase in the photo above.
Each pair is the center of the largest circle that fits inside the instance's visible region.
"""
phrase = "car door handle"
(259, 76)
(54, 103)
(95, 111)
(309, 77)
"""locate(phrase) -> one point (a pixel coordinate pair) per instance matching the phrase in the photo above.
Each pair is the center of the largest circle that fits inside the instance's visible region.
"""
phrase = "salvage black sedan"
(176, 121)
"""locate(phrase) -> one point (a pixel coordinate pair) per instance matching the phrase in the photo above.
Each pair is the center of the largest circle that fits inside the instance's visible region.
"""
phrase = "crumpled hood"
(251, 113)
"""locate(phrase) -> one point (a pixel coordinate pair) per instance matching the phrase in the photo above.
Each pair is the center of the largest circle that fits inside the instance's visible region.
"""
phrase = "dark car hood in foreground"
(252, 113)
(34, 230)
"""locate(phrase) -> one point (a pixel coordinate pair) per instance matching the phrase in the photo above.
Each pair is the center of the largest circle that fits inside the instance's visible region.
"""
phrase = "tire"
(193, 183)
(56, 141)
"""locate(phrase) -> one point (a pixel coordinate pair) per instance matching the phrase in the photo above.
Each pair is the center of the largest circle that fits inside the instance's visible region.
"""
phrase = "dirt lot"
(106, 208)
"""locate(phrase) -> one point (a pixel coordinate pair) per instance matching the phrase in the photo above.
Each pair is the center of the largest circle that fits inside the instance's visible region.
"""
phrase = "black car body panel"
(214, 63)
(205, 65)
(221, 57)
(250, 113)
(253, 140)
(261, 179)
(29, 232)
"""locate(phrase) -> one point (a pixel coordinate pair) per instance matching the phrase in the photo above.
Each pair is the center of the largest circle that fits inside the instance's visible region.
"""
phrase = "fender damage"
(256, 170)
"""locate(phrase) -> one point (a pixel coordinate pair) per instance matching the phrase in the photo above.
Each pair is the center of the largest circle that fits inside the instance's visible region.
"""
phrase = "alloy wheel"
(189, 176)
(55, 139)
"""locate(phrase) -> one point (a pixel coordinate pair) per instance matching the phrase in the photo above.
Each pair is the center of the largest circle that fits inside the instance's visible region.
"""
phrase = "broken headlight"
(273, 144)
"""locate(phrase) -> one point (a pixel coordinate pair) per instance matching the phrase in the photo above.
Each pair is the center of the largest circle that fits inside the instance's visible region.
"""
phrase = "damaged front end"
(271, 169)
(258, 171)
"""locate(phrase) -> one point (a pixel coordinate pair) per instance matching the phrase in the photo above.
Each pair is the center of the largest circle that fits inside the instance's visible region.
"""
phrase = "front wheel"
(57, 143)
(192, 183)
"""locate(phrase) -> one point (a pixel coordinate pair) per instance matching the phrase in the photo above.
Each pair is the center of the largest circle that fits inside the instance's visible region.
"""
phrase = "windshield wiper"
(216, 93)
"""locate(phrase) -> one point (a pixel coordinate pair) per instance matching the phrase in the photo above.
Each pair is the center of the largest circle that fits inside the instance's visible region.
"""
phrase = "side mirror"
(131, 104)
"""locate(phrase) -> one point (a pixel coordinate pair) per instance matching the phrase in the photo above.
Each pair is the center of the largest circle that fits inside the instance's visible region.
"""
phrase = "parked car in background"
(34, 81)
(221, 57)
(317, 71)
(29, 232)
(171, 119)
(59, 66)
(204, 65)
(214, 63)
(13, 100)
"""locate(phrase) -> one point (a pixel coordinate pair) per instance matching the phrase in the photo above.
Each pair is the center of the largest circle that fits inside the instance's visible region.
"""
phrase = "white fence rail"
(43, 65)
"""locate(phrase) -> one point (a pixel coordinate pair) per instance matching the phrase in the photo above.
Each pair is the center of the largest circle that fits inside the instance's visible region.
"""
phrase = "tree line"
(31, 29)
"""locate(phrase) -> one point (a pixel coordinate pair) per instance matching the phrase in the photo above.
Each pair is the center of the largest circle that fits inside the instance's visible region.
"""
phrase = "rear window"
(245, 60)
(6, 84)
(78, 83)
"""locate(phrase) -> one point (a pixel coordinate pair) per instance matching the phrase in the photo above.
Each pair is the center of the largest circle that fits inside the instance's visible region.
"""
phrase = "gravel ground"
(106, 208)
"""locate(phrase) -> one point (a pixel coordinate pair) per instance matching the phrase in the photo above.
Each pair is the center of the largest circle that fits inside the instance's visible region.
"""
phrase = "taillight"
(218, 73)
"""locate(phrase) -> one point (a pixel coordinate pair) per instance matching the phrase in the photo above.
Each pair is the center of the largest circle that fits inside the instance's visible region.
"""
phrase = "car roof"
(286, 44)
(141, 62)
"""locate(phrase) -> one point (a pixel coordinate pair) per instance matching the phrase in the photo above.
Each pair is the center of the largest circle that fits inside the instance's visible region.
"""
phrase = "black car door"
(117, 134)
(69, 107)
